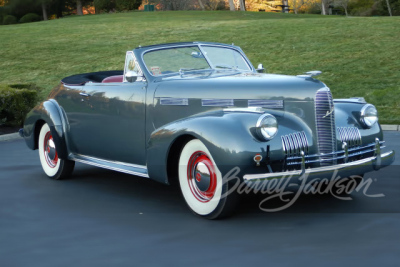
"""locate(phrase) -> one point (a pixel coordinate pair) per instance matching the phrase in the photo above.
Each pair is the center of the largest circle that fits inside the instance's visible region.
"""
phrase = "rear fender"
(47, 112)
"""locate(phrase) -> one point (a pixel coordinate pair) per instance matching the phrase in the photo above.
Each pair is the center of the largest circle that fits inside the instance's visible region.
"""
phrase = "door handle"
(84, 94)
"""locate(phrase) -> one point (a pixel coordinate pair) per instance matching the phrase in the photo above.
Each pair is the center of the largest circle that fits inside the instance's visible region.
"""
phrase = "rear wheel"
(52, 165)
(201, 183)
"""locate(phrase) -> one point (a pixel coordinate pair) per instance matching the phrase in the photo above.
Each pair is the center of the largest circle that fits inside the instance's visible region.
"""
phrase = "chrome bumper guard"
(343, 170)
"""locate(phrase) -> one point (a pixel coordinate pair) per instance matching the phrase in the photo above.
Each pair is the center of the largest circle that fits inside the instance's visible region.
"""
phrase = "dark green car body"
(140, 127)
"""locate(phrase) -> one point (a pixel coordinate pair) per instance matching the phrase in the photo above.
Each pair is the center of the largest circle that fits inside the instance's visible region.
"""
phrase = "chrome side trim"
(169, 101)
(265, 103)
(249, 109)
(134, 169)
(344, 170)
(217, 102)
(357, 100)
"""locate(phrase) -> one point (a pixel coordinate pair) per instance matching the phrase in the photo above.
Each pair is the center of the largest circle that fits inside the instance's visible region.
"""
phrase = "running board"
(138, 170)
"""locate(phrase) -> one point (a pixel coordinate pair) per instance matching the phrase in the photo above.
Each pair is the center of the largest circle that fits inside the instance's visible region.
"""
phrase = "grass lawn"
(358, 56)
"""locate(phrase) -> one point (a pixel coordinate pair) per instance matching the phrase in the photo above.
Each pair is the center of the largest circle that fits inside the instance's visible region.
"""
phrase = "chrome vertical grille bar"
(293, 144)
(325, 122)
(350, 135)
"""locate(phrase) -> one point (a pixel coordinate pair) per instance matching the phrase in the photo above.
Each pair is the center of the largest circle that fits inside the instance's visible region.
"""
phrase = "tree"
(44, 11)
(324, 5)
(44, 5)
(389, 9)
(296, 4)
(201, 5)
(242, 6)
(79, 7)
(342, 3)
(232, 5)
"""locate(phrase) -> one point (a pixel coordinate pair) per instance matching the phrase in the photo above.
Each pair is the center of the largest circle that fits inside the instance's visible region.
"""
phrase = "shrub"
(127, 4)
(15, 102)
(30, 17)
(104, 5)
(9, 19)
(2, 14)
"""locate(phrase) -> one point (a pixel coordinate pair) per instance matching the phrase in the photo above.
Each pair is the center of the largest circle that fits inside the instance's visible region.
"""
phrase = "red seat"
(114, 79)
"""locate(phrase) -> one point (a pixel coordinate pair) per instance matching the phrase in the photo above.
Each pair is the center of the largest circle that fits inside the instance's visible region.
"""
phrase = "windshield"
(222, 57)
(191, 58)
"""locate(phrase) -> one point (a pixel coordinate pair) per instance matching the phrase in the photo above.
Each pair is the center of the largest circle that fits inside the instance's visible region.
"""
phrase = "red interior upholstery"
(114, 79)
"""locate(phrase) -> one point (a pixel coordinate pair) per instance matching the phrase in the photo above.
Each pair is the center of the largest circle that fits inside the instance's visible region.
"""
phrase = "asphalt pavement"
(103, 218)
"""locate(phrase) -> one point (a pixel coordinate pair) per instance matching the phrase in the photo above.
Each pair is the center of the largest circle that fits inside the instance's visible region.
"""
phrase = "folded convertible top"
(96, 77)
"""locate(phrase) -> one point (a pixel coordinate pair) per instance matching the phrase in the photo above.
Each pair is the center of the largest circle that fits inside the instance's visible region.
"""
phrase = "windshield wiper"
(183, 71)
(224, 66)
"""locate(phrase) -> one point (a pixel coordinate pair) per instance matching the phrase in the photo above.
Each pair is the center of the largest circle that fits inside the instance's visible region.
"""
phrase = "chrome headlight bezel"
(369, 115)
(267, 127)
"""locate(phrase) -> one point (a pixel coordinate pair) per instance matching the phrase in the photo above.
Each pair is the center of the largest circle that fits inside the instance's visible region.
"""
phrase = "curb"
(389, 127)
(15, 136)
(10, 137)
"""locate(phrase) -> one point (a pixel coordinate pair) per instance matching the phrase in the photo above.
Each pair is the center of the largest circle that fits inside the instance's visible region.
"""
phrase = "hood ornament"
(328, 112)
(310, 74)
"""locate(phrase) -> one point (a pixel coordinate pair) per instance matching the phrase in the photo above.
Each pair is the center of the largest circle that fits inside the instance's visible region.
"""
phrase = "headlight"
(267, 126)
(369, 115)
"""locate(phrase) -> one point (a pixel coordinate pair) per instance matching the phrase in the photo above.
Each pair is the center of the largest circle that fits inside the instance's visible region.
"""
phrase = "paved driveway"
(104, 218)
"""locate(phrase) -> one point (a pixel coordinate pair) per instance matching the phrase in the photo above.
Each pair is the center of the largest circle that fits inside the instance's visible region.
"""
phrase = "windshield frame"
(199, 45)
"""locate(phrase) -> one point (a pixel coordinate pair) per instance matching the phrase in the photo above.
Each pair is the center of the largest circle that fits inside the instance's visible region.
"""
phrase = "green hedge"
(104, 5)
(122, 5)
(30, 17)
(9, 19)
(16, 100)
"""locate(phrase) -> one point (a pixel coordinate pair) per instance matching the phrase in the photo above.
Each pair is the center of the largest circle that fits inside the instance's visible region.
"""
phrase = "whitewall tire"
(52, 165)
(201, 183)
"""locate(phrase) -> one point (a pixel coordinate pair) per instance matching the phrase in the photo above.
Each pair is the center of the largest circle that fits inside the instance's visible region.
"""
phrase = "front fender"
(47, 112)
(348, 115)
(229, 136)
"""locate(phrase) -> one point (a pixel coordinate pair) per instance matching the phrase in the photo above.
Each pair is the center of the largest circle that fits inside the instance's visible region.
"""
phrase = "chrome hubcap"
(201, 175)
(50, 152)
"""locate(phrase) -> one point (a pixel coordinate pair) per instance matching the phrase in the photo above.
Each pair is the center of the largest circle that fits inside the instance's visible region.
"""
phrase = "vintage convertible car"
(191, 112)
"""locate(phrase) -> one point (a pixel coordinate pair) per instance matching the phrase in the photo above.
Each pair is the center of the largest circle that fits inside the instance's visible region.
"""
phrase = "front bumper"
(340, 170)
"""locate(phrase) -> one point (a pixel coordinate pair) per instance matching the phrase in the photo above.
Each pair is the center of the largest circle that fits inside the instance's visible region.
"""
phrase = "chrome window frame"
(228, 47)
(140, 72)
(251, 68)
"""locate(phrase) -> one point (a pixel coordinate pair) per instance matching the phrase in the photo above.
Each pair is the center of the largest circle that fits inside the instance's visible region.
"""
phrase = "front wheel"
(201, 183)
(52, 165)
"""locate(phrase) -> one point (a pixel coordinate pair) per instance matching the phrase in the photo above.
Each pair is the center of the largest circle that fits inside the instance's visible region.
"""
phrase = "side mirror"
(131, 76)
(260, 68)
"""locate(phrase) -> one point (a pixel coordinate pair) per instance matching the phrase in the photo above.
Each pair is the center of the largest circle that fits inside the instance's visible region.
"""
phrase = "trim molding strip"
(217, 102)
(170, 101)
(265, 103)
(138, 170)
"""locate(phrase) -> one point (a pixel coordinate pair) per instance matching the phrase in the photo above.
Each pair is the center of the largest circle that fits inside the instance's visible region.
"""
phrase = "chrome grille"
(325, 122)
(294, 143)
(350, 135)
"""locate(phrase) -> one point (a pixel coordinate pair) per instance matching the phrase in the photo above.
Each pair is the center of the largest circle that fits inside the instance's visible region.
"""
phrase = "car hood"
(228, 85)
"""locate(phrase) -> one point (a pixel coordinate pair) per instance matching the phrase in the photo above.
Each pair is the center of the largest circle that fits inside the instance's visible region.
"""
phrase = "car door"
(111, 123)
